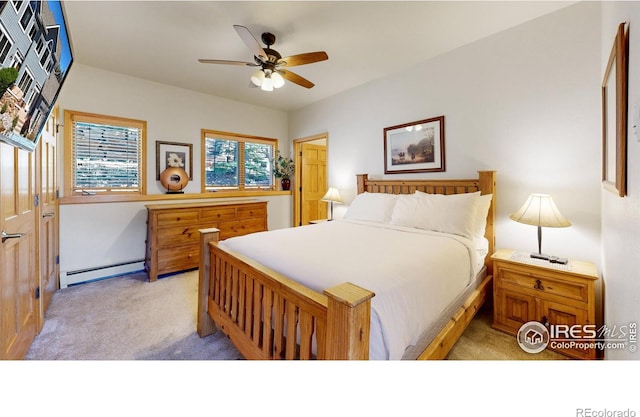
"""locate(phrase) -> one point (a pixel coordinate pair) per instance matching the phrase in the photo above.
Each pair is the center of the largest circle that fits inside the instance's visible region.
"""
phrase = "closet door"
(18, 252)
(49, 226)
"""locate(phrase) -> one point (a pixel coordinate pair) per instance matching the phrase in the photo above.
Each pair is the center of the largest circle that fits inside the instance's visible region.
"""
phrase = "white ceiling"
(162, 40)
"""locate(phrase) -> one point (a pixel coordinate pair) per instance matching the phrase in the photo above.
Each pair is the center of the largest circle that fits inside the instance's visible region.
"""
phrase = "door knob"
(6, 235)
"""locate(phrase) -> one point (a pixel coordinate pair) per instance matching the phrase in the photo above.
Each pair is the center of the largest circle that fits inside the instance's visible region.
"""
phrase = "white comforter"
(414, 273)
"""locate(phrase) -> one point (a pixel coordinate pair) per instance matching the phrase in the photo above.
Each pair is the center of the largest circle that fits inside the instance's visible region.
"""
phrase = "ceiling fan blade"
(222, 61)
(251, 42)
(302, 59)
(296, 79)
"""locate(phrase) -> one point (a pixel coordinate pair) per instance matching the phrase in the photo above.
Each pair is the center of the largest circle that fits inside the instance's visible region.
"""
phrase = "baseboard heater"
(82, 276)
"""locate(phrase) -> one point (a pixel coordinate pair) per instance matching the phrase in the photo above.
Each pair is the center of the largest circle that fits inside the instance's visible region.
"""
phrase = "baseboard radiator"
(81, 276)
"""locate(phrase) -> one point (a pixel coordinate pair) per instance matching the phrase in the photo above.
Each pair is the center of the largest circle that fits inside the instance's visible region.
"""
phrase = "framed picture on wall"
(614, 116)
(174, 154)
(415, 147)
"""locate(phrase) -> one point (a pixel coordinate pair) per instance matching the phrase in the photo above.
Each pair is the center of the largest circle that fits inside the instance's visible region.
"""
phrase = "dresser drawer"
(540, 283)
(177, 236)
(247, 212)
(212, 215)
(170, 260)
(176, 218)
(173, 238)
(239, 228)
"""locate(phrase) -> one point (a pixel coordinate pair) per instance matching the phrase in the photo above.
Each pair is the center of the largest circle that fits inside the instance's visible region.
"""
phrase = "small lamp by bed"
(332, 196)
(540, 210)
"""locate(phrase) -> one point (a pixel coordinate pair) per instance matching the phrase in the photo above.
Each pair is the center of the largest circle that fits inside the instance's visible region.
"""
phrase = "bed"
(399, 277)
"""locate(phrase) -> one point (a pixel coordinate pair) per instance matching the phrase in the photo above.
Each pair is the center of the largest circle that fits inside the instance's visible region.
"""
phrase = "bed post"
(362, 182)
(488, 186)
(348, 322)
(206, 326)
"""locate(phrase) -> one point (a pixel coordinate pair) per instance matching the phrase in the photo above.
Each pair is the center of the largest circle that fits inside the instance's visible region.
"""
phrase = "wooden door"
(49, 226)
(18, 252)
(313, 183)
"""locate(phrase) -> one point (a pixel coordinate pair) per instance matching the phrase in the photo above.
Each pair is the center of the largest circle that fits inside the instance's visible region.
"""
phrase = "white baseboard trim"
(81, 276)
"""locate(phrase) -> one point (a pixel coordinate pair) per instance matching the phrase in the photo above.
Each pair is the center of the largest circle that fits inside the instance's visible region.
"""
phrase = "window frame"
(240, 138)
(70, 116)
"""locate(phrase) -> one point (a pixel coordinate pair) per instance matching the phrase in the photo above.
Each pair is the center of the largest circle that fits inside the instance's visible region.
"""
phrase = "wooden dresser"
(172, 230)
(554, 295)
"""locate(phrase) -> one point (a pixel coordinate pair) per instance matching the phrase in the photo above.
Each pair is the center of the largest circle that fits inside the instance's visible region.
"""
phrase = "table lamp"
(332, 196)
(540, 210)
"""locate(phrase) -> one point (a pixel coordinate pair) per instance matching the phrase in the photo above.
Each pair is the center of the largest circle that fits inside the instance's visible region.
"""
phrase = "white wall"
(621, 216)
(524, 102)
(96, 235)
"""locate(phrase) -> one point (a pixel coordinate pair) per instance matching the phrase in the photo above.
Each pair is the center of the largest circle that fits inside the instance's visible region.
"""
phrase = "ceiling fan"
(271, 73)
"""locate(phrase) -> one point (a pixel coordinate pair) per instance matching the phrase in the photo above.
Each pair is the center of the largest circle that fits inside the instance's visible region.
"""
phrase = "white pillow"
(453, 214)
(372, 207)
(482, 211)
(404, 212)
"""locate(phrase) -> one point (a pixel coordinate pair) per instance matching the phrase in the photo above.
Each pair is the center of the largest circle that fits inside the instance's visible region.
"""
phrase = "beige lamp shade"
(332, 196)
(540, 210)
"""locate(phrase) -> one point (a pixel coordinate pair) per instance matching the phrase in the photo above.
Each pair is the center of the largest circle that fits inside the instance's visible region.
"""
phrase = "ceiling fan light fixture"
(277, 79)
(257, 78)
(268, 76)
(267, 84)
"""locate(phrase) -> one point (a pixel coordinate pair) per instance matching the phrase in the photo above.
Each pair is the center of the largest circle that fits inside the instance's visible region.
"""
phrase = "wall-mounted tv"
(35, 57)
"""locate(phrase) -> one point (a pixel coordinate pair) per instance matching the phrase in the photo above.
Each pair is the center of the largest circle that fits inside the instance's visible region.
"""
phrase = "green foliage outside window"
(238, 163)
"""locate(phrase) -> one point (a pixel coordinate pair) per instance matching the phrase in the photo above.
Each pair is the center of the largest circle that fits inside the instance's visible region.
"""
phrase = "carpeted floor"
(481, 342)
(128, 318)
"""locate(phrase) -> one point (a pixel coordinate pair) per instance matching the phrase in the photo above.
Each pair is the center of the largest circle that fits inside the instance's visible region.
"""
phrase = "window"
(33, 32)
(5, 46)
(26, 17)
(236, 162)
(39, 46)
(44, 58)
(106, 154)
(25, 82)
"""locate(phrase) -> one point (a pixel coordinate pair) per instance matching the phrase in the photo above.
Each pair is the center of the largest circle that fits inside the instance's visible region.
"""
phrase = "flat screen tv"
(35, 57)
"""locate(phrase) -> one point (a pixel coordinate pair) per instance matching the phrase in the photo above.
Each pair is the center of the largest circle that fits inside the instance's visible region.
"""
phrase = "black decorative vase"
(286, 184)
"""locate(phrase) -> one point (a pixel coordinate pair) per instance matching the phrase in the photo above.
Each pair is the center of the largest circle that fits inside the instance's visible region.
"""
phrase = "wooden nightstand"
(526, 289)
(318, 221)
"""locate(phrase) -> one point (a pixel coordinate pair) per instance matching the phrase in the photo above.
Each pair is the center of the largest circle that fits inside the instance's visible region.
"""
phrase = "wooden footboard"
(268, 316)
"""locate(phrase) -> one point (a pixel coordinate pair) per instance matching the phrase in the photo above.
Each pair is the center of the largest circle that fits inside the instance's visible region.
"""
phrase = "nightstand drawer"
(547, 284)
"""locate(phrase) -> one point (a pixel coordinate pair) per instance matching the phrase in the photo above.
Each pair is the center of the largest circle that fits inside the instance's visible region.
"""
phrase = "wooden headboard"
(485, 183)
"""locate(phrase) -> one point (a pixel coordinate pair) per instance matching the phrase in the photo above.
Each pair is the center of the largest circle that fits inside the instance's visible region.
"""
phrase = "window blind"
(106, 157)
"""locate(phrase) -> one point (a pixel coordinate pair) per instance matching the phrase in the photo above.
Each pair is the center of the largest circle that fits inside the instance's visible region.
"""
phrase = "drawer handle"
(538, 285)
